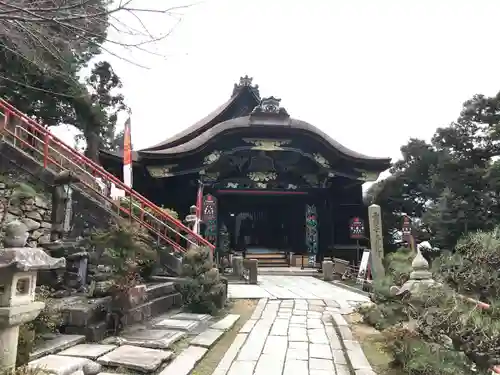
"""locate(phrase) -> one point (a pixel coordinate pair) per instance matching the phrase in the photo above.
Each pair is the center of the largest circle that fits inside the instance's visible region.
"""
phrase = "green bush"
(125, 247)
(449, 334)
(203, 290)
(474, 269)
(419, 357)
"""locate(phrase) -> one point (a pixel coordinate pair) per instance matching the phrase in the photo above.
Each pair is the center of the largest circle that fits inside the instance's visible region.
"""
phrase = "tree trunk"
(92, 149)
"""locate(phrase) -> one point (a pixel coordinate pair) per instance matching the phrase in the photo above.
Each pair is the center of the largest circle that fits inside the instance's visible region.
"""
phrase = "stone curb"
(357, 362)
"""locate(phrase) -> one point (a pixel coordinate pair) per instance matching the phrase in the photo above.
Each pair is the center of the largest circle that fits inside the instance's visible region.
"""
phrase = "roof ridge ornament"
(246, 81)
(270, 106)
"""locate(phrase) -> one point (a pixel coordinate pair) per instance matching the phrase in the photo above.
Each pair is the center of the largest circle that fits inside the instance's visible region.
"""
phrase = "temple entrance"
(263, 223)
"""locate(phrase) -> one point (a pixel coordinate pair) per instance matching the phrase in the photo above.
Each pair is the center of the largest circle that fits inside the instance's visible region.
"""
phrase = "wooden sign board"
(357, 228)
(406, 228)
(363, 266)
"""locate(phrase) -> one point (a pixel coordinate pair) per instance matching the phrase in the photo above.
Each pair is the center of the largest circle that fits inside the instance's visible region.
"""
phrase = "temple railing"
(37, 143)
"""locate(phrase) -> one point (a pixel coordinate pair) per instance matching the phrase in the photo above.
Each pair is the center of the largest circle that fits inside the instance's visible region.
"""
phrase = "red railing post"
(46, 140)
(5, 121)
(68, 152)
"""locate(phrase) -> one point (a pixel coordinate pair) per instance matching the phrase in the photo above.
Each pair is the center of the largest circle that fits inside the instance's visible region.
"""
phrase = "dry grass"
(208, 364)
(373, 345)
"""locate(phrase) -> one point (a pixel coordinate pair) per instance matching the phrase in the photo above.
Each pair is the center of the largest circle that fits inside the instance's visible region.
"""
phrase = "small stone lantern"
(18, 272)
(420, 277)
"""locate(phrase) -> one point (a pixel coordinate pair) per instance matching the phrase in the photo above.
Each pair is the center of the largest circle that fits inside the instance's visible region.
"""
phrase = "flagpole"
(127, 159)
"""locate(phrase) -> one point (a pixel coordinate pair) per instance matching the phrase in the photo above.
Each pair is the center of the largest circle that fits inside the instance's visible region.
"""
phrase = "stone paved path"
(296, 287)
(298, 330)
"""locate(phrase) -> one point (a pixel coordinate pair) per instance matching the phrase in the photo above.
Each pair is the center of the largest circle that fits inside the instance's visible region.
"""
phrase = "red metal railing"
(39, 144)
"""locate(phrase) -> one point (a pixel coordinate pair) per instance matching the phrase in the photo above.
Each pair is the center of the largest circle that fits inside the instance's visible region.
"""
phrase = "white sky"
(370, 73)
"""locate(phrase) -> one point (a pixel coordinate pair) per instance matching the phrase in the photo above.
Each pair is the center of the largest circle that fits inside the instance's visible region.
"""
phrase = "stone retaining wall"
(34, 212)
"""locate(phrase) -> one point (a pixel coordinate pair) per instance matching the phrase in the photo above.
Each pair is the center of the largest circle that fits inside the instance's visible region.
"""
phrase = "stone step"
(80, 311)
(177, 324)
(56, 345)
(152, 308)
(147, 338)
(160, 289)
(135, 358)
(185, 362)
(93, 332)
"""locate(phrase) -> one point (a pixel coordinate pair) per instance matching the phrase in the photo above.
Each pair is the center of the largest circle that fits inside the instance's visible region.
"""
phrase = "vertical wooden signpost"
(407, 231)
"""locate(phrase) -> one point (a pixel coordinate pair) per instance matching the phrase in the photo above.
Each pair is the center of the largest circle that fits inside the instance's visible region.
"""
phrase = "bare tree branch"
(50, 34)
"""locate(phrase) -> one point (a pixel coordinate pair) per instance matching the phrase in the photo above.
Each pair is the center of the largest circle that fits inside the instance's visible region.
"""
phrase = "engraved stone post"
(61, 205)
(18, 273)
(327, 266)
(376, 241)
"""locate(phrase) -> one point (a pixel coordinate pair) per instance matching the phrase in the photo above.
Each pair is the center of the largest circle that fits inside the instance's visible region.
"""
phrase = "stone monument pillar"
(376, 241)
(62, 205)
(18, 273)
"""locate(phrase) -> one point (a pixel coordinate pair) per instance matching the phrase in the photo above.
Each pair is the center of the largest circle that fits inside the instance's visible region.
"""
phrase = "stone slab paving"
(296, 337)
(148, 338)
(191, 316)
(175, 324)
(297, 287)
(56, 344)
(185, 362)
(90, 351)
(135, 358)
(61, 365)
(226, 323)
(207, 338)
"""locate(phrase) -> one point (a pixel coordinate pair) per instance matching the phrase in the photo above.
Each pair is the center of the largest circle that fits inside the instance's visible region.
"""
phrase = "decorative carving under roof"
(161, 171)
(367, 176)
(246, 81)
(270, 106)
(267, 144)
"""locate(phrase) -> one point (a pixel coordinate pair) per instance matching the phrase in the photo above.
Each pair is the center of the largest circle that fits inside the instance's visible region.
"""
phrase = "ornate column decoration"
(311, 232)
(209, 217)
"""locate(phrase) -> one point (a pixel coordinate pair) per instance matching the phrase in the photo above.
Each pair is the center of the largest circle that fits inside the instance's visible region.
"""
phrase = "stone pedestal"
(327, 267)
(18, 273)
(237, 266)
(253, 270)
(8, 347)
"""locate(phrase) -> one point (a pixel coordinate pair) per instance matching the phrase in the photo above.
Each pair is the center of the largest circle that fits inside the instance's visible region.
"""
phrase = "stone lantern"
(18, 272)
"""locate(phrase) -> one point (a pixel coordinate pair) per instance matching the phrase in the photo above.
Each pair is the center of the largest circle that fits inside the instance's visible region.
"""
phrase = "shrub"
(389, 310)
(203, 290)
(474, 269)
(124, 247)
(418, 357)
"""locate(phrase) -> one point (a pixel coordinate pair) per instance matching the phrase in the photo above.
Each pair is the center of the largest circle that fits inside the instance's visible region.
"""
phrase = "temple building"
(272, 182)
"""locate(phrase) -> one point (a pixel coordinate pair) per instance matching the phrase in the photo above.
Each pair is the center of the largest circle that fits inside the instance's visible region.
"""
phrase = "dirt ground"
(372, 342)
(208, 364)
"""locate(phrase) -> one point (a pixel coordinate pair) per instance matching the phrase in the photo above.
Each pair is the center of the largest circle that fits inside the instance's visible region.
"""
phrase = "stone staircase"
(85, 319)
(275, 259)
(46, 154)
(170, 344)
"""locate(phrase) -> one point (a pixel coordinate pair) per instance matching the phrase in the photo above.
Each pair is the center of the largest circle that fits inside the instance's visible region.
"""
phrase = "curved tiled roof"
(245, 86)
(245, 122)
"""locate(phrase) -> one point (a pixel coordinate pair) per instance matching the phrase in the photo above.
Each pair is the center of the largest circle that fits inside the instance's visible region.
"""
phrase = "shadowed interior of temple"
(260, 223)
